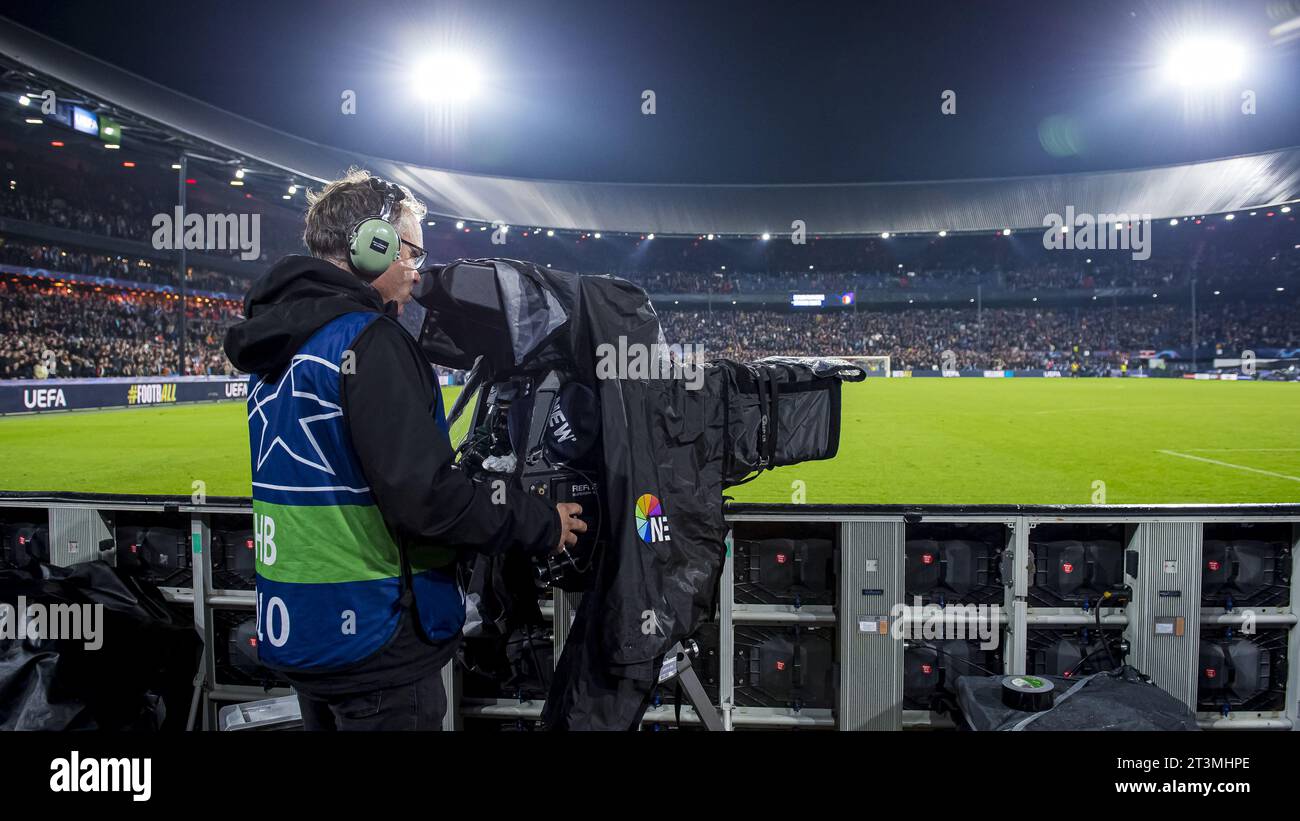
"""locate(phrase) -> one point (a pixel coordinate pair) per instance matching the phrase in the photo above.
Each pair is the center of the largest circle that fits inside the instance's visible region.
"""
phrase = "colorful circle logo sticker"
(651, 524)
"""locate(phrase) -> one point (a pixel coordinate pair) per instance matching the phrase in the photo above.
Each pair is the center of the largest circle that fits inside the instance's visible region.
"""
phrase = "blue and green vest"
(331, 583)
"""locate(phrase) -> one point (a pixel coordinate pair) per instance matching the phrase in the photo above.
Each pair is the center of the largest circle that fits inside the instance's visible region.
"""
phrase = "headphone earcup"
(373, 246)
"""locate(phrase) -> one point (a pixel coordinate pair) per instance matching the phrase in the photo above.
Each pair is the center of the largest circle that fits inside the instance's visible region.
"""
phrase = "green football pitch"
(922, 441)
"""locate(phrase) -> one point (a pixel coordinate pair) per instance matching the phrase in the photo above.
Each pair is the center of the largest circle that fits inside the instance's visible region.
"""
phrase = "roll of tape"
(1030, 694)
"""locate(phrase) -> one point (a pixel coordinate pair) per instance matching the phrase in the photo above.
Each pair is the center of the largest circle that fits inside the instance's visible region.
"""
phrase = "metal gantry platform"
(1161, 622)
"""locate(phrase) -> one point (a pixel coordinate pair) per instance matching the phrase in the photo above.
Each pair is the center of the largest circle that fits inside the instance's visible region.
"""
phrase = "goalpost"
(871, 364)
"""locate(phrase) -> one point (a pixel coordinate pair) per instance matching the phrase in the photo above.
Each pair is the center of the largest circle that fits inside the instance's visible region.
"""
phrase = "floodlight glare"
(1203, 62)
(446, 78)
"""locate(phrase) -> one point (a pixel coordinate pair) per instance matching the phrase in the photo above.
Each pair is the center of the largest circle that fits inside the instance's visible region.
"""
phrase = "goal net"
(873, 365)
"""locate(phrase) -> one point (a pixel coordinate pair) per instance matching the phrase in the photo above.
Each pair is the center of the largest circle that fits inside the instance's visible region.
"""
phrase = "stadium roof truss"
(851, 209)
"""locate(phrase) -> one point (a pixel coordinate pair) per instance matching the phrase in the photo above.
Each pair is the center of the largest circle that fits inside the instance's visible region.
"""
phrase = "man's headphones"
(374, 242)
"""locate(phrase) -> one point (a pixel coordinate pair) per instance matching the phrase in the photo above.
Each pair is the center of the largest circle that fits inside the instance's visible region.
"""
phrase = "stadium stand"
(85, 293)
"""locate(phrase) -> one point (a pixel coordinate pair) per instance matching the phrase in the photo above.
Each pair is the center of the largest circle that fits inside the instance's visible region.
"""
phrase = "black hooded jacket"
(406, 458)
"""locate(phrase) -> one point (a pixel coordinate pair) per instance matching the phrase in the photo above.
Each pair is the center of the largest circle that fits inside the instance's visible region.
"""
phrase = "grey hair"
(335, 209)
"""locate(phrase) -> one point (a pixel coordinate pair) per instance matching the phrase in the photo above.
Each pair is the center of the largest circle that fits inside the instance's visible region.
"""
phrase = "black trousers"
(416, 706)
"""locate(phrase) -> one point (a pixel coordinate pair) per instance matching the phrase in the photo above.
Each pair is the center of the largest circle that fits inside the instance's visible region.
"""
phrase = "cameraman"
(360, 512)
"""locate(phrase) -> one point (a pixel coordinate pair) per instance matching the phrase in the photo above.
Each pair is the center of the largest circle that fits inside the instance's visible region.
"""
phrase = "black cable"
(940, 650)
(1104, 648)
(1113, 663)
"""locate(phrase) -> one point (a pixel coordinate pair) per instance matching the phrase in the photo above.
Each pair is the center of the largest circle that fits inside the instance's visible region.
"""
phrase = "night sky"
(746, 92)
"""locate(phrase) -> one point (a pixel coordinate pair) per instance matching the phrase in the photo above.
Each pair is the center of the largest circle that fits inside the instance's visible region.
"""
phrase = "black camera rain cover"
(666, 455)
(662, 495)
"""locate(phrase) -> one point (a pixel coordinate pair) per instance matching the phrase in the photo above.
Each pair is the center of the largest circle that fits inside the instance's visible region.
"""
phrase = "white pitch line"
(1244, 450)
(1230, 465)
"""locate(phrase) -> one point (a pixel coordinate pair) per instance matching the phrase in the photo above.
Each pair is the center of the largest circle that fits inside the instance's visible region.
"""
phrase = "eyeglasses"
(418, 254)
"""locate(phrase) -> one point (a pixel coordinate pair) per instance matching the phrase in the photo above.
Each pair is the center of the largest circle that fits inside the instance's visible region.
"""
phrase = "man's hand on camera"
(395, 284)
(570, 524)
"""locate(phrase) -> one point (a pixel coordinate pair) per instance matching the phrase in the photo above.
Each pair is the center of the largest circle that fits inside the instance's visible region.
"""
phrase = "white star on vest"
(310, 444)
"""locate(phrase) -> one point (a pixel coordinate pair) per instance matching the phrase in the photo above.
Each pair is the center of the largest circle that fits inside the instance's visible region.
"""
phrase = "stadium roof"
(1208, 187)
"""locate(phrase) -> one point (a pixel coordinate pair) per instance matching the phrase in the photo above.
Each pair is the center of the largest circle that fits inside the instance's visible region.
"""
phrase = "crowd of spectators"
(91, 329)
(81, 331)
(81, 199)
(76, 331)
(1015, 338)
(1036, 277)
(60, 260)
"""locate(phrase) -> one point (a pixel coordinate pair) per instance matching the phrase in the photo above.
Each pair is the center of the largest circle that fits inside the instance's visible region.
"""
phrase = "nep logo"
(651, 523)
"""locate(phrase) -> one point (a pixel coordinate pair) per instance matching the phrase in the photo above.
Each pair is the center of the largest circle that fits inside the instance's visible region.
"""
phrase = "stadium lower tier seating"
(84, 331)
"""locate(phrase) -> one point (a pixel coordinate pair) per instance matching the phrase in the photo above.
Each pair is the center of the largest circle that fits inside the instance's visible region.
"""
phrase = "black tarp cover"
(1120, 700)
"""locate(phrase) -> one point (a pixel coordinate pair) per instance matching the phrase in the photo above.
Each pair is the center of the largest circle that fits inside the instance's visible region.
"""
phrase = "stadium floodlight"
(1006, 232)
(1280, 289)
(650, 236)
(460, 224)
(176, 166)
(1286, 209)
(943, 233)
(884, 235)
(1216, 293)
(810, 267)
(293, 189)
(1204, 61)
(1230, 216)
(550, 232)
(597, 235)
(1173, 222)
(710, 237)
(24, 100)
(446, 79)
(766, 236)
